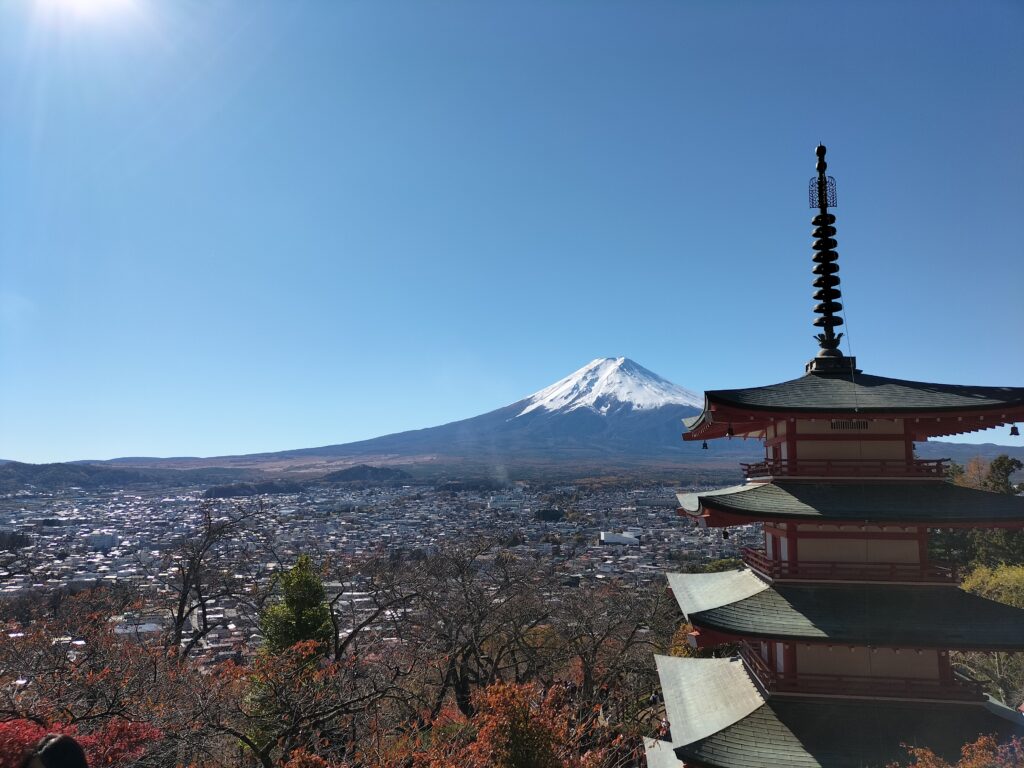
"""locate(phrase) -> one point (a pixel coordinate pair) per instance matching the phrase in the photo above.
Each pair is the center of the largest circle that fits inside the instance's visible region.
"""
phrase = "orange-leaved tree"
(117, 742)
(515, 725)
(986, 752)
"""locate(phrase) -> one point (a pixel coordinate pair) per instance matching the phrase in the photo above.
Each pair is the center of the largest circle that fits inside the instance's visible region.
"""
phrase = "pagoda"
(844, 621)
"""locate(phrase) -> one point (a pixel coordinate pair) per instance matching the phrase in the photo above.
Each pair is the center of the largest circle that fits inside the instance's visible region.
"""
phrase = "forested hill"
(17, 476)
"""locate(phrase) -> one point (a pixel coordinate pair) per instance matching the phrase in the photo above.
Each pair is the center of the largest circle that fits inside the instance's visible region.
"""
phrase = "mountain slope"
(611, 414)
(611, 407)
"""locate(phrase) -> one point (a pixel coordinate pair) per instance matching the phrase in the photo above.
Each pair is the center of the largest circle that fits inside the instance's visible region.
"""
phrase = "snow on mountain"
(610, 383)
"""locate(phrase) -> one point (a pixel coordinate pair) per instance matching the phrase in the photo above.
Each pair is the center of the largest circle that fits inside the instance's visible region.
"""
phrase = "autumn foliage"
(117, 742)
(470, 658)
(464, 659)
(986, 752)
(521, 726)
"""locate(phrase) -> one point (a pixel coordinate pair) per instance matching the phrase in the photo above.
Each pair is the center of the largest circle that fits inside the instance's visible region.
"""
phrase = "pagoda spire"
(822, 195)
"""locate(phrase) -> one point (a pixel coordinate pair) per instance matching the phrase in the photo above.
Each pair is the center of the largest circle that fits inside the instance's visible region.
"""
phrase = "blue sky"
(229, 227)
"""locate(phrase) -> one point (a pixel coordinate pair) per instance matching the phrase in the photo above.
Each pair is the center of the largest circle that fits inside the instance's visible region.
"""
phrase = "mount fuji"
(611, 415)
(612, 412)
(610, 384)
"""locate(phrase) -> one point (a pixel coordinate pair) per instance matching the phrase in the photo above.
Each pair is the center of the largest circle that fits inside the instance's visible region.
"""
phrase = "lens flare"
(85, 8)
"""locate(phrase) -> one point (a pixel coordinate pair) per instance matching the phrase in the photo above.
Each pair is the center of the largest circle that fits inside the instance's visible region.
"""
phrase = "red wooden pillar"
(945, 668)
(789, 660)
(791, 537)
(922, 548)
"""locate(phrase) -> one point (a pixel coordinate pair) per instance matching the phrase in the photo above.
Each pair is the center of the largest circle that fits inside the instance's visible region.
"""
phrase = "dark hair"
(56, 750)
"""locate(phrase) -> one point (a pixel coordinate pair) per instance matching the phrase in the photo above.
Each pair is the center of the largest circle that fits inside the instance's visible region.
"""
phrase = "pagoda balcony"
(919, 469)
(960, 688)
(817, 570)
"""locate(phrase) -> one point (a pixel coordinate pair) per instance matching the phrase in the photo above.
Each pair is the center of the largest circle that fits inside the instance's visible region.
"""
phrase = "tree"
(303, 614)
(681, 646)
(222, 556)
(1003, 673)
(610, 633)
(997, 476)
(986, 752)
(972, 474)
(513, 733)
(116, 742)
(955, 473)
(386, 588)
(1004, 583)
(519, 726)
(964, 547)
(1001, 545)
(296, 699)
(479, 612)
(70, 673)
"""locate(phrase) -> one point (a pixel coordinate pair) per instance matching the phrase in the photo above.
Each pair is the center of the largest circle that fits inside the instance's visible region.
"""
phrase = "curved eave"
(719, 718)
(934, 505)
(703, 696)
(715, 420)
(889, 615)
(715, 399)
(838, 733)
(869, 393)
(937, 409)
(724, 634)
(718, 417)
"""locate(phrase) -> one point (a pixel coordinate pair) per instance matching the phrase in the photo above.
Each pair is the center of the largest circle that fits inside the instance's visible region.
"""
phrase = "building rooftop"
(866, 393)
(805, 732)
(878, 502)
(850, 392)
(909, 616)
(836, 733)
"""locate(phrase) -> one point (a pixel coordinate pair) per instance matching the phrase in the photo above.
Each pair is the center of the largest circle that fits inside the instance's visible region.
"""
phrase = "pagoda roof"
(751, 730)
(716, 694)
(830, 733)
(910, 616)
(880, 502)
(850, 392)
(866, 393)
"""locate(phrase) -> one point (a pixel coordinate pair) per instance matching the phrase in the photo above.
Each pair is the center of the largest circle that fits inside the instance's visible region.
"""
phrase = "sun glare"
(86, 8)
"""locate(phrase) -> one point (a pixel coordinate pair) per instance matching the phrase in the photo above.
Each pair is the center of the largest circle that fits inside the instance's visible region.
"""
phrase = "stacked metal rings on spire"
(823, 196)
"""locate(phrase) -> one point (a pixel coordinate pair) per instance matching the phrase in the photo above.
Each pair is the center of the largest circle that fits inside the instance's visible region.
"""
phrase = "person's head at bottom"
(56, 750)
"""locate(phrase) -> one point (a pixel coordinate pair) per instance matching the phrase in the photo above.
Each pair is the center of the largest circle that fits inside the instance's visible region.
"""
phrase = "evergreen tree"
(997, 478)
(990, 547)
(1000, 546)
(302, 615)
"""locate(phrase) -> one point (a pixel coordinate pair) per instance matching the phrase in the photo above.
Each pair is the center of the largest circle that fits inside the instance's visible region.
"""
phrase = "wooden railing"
(758, 667)
(819, 570)
(960, 688)
(916, 468)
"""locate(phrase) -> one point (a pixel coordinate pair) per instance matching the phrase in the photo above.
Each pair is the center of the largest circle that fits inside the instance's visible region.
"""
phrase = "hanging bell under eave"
(704, 445)
(1014, 432)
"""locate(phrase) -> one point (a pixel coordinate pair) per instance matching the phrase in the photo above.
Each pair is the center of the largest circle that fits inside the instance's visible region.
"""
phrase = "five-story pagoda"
(845, 623)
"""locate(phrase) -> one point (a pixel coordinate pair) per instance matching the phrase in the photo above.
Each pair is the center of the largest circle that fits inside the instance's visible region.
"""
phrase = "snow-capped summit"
(610, 383)
(610, 415)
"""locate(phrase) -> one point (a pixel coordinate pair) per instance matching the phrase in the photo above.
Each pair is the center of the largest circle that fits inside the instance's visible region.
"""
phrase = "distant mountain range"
(611, 407)
(611, 416)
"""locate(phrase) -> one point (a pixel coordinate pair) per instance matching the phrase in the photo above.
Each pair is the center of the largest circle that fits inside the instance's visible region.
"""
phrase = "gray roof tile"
(836, 733)
(866, 393)
(923, 616)
(880, 501)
